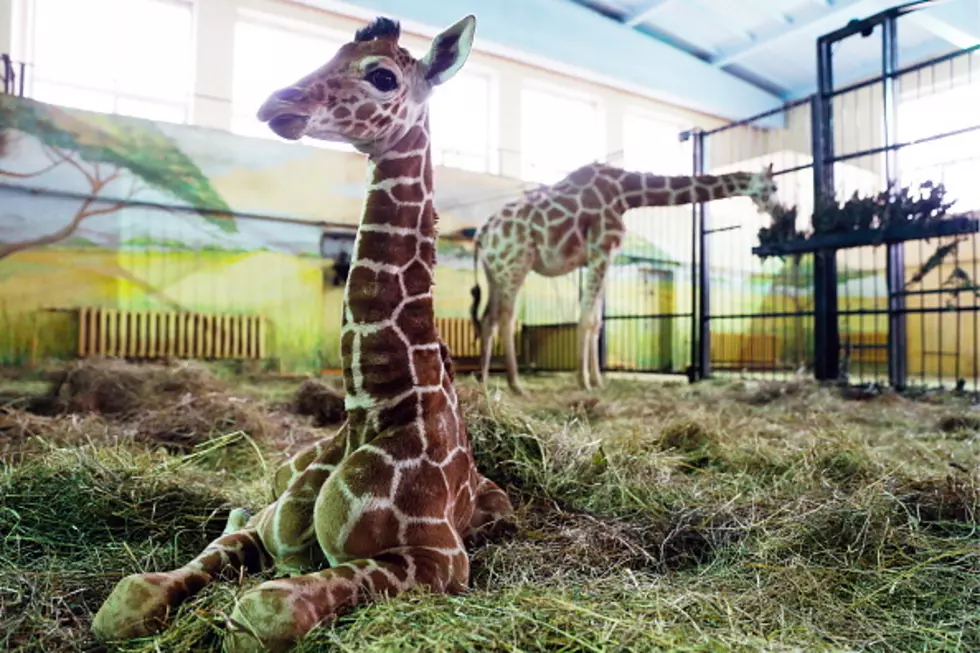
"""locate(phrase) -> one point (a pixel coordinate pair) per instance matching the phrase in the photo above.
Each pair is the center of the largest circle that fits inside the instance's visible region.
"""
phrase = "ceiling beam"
(565, 36)
(766, 7)
(727, 19)
(811, 25)
(955, 22)
(643, 11)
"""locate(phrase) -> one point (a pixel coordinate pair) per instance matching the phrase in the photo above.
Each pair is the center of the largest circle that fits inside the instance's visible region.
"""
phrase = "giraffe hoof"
(139, 606)
(263, 621)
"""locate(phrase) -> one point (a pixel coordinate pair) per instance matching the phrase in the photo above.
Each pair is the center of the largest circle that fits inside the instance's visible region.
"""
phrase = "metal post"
(704, 274)
(602, 332)
(693, 372)
(895, 265)
(826, 334)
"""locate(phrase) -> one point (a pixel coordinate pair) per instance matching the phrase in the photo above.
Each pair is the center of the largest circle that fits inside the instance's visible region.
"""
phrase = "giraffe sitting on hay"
(578, 222)
(386, 504)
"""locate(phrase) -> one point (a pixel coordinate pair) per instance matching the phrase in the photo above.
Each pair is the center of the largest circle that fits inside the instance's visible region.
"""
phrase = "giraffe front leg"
(276, 614)
(142, 604)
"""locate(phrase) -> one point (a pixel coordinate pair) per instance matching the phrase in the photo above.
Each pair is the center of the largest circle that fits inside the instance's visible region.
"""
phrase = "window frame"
(24, 48)
(558, 90)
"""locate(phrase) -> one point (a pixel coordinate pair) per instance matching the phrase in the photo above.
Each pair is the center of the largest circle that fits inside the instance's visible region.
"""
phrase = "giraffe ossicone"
(576, 222)
(388, 502)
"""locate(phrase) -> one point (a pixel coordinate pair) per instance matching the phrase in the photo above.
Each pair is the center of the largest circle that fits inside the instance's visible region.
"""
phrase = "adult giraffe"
(385, 504)
(574, 222)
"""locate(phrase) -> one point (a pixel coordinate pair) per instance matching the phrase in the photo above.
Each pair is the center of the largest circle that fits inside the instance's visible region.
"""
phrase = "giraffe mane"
(379, 28)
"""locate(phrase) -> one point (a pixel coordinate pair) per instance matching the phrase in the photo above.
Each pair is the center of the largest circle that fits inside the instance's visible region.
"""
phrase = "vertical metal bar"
(895, 264)
(602, 326)
(704, 276)
(826, 333)
(694, 372)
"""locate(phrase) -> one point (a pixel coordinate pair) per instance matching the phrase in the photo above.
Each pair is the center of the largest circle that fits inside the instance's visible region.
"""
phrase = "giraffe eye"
(382, 79)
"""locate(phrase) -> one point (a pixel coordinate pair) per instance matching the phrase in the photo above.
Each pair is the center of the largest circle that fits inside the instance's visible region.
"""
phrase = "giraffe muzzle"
(289, 126)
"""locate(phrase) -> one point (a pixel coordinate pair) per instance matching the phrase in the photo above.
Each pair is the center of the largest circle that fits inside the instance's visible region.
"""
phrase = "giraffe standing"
(386, 504)
(577, 222)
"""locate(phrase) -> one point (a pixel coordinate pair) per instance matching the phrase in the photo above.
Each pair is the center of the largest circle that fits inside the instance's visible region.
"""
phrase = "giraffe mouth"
(289, 126)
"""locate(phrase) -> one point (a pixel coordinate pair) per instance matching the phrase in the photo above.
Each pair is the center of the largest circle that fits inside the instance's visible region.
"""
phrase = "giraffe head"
(762, 189)
(372, 92)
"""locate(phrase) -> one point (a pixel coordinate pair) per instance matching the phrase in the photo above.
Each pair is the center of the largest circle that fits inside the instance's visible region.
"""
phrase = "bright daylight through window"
(558, 134)
(131, 57)
(653, 145)
(952, 160)
(267, 56)
(460, 120)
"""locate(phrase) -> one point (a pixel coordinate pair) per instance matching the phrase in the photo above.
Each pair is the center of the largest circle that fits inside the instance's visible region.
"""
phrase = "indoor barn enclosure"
(702, 302)
(486, 326)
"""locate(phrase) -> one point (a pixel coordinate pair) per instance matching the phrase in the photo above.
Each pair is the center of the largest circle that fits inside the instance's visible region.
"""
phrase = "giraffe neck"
(644, 189)
(388, 318)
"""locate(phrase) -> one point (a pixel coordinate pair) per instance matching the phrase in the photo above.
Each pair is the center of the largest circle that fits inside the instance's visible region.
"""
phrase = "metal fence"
(704, 304)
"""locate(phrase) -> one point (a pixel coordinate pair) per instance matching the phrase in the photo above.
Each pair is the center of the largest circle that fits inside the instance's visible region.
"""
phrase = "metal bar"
(656, 316)
(895, 253)
(704, 273)
(694, 365)
(764, 314)
(865, 25)
(899, 146)
(759, 116)
(721, 229)
(826, 334)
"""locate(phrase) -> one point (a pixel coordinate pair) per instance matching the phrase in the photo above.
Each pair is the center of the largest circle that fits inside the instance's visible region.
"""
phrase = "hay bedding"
(178, 406)
(696, 518)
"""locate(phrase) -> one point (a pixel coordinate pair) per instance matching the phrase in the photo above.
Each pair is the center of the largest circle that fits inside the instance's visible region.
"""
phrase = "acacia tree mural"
(102, 150)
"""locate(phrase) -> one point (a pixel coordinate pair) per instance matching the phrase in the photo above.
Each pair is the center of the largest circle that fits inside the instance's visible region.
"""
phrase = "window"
(952, 160)
(558, 134)
(132, 57)
(462, 123)
(269, 56)
(653, 145)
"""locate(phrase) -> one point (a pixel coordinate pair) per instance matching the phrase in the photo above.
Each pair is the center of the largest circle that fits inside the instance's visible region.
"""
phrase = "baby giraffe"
(387, 503)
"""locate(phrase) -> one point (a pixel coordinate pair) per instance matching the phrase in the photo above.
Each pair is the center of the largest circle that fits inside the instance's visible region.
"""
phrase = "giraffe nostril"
(290, 95)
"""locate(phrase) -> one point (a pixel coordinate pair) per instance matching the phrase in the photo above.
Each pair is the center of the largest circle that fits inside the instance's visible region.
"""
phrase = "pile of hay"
(322, 402)
(178, 406)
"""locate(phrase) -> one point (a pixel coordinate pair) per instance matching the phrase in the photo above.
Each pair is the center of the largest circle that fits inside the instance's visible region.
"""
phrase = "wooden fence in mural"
(148, 335)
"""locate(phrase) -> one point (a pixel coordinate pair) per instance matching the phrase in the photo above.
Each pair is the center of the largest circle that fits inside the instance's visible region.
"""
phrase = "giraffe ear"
(449, 51)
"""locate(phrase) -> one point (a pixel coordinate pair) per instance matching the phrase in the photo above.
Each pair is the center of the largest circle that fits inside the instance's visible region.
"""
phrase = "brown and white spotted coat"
(577, 222)
(386, 504)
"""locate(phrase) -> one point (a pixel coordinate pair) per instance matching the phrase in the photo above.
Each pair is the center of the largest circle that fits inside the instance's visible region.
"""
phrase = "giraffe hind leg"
(492, 511)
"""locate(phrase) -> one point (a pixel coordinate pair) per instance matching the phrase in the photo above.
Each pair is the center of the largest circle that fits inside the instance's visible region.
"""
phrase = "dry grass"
(714, 517)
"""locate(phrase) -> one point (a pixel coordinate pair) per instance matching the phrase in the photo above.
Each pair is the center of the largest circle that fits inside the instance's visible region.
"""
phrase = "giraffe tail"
(475, 290)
